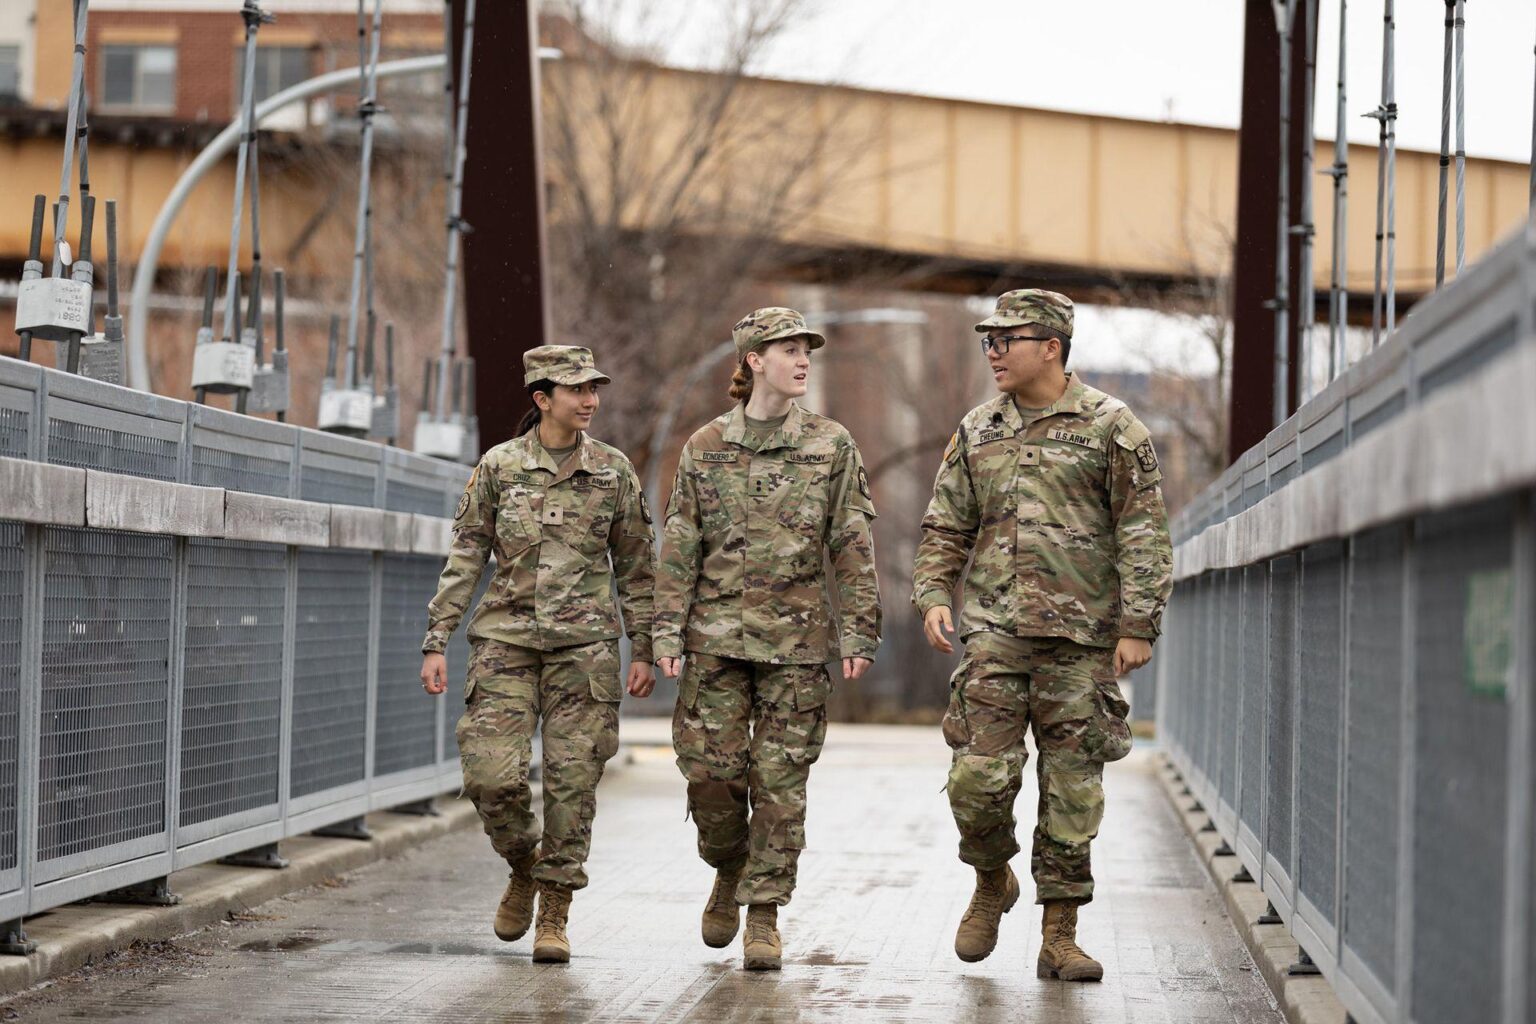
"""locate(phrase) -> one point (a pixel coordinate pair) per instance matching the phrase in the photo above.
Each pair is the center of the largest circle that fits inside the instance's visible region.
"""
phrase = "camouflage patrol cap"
(771, 323)
(1031, 306)
(563, 364)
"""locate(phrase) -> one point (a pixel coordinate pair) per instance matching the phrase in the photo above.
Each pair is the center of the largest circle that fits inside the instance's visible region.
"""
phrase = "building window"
(141, 78)
(10, 74)
(277, 68)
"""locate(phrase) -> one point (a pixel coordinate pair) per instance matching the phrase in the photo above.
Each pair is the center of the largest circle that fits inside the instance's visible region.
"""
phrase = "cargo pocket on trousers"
(807, 750)
(957, 731)
(688, 683)
(1113, 741)
(812, 689)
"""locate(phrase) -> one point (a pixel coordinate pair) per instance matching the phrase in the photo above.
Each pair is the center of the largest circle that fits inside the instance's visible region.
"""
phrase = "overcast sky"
(1150, 60)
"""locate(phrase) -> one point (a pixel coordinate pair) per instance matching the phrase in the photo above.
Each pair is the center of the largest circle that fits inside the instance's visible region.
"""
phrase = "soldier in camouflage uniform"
(762, 494)
(553, 506)
(1051, 492)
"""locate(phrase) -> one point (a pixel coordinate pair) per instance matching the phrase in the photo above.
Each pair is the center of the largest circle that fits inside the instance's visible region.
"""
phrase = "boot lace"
(760, 929)
(722, 898)
(1063, 947)
(519, 890)
(987, 901)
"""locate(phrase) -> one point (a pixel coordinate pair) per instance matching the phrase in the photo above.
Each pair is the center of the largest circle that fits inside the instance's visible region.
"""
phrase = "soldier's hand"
(935, 624)
(1131, 653)
(434, 673)
(855, 667)
(670, 666)
(642, 679)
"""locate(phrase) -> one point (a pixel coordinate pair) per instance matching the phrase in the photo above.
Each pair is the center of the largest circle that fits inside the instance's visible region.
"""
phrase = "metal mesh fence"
(88, 446)
(106, 645)
(330, 669)
(1282, 711)
(1255, 631)
(1231, 691)
(12, 578)
(1463, 599)
(231, 711)
(400, 496)
(13, 432)
(1374, 744)
(1319, 703)
(405, 723)
(340, 488)
(239, 471)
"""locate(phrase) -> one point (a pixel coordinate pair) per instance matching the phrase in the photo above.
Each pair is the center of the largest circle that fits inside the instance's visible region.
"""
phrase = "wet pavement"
(869, 935)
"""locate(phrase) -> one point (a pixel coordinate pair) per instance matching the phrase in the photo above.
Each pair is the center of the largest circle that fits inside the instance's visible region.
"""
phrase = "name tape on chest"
(715, 456)
(1072, 437)
(808, 458)
(988, 436)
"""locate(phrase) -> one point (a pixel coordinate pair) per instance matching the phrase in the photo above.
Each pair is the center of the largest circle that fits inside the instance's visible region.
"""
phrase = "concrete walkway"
(868, 937)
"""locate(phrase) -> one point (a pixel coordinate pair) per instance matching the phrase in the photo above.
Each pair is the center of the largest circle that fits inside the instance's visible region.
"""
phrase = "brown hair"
(741, 382)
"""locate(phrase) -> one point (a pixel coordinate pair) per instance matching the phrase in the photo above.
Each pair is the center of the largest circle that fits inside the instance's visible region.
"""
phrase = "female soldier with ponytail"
(761, 494)
(552, 505)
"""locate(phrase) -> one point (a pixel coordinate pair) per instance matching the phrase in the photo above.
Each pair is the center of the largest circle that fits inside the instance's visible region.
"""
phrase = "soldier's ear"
(541, 399)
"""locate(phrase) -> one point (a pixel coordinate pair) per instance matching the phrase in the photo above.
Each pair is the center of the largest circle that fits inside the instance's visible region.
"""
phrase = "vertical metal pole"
(1390, 59)
(252, 16)
(460, 149)
(1445, 144)
(76, 87)
(1338, 297)
(366, 108)
(1461, 136)
(34, 258)
(279, 289)
(1533, 149)
(1306, 229)
(1284, 18)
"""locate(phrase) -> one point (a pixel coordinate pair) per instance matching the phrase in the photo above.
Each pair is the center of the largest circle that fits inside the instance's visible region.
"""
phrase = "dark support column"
(505, 287)
(1252, 413)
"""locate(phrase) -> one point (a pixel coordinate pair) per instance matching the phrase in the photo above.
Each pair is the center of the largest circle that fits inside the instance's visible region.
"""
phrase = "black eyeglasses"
(1000, 343)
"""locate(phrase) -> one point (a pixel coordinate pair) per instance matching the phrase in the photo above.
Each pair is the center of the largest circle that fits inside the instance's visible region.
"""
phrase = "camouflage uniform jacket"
(742, 572)
(552, 531)
(1064, 515)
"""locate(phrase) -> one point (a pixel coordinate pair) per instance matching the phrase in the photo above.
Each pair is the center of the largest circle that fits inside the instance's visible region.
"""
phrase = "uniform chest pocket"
(721, 487)
(578, 513)
(515, 525)
(792, 491)
(1054, 466)
(994, 466)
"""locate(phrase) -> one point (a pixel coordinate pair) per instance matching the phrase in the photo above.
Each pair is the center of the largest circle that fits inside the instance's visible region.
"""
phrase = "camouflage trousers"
(1068, 693)
(576, 691)
(746, 735)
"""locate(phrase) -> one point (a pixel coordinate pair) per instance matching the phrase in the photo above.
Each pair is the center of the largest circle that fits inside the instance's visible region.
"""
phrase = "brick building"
(182, 59)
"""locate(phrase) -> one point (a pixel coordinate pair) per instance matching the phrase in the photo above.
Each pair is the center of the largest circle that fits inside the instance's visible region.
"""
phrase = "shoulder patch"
(463, 502)
(864, 484)
(645, 508)
(720, 456)
(1146, 458)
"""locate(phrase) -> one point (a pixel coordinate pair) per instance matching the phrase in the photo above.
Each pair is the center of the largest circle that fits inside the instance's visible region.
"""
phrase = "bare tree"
(670, 190)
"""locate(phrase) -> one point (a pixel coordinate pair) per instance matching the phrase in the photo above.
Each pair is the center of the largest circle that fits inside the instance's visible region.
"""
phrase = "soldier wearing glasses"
(1050, 492)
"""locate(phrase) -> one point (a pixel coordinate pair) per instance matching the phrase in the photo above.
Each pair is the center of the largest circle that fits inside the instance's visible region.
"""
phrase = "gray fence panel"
(405, 721)
(12, 578)
(340, 470)
(105, 691)
(1231, 687)
(1464, 596)
(1320, 709)
(1255, 669)
(330, 670)
(15, 425)
(231, 705)
(239, 453)
(1278, 791)
(1374, 746)
(1205, 676)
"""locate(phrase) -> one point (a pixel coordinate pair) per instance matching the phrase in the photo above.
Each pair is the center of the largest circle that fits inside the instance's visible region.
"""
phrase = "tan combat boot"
(1060, 955)
(721, 914)
(996, 893)
(515, 912)
(761, 948)
(550, 946)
